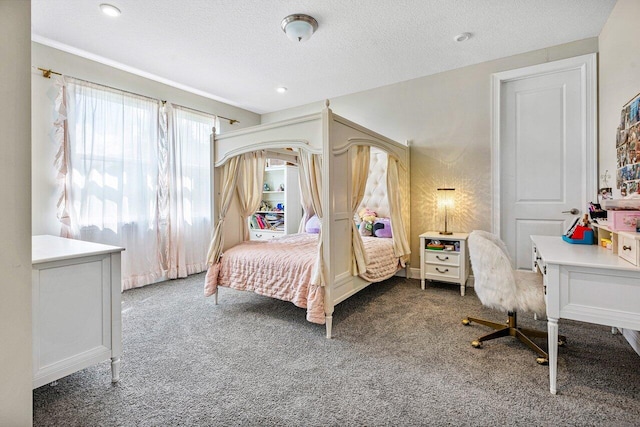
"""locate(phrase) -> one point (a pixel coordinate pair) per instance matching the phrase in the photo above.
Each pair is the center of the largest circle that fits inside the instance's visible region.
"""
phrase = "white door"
(546, 152)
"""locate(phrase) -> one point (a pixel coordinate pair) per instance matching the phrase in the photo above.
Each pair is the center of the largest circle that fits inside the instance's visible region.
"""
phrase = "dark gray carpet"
(399, 356)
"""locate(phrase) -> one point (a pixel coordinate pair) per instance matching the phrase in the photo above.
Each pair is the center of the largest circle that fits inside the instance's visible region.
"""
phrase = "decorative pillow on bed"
(313, 225)
(365, 229)
(382, 227)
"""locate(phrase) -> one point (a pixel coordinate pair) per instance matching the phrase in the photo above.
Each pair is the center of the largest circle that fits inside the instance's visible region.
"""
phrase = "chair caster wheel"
(476, 344)
(542, 361)
(562, 342)
(466, 322)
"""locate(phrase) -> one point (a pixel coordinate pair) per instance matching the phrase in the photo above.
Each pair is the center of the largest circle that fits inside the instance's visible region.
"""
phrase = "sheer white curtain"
(189, 180)
(135, 175)
(113, 175)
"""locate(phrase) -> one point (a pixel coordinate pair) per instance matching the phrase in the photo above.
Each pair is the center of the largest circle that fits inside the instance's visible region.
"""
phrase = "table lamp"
(445, 201)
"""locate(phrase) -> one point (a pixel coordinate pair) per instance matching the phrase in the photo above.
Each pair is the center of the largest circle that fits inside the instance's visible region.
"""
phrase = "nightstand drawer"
(443, 271)
(442, 258)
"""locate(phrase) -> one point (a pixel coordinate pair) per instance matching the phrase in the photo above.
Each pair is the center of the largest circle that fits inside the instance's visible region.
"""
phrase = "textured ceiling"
(235, 51)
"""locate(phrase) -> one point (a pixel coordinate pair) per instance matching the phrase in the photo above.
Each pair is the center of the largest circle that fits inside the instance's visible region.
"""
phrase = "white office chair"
(499, 286)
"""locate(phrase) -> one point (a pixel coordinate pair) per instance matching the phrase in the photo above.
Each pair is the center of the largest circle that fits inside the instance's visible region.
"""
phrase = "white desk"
(76, 308)
(586, 283)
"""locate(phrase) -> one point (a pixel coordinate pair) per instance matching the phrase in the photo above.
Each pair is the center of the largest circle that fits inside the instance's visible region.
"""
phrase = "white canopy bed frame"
(330, 136)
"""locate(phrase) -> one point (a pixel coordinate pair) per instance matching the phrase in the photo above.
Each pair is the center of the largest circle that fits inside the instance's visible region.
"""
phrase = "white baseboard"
(633, 337)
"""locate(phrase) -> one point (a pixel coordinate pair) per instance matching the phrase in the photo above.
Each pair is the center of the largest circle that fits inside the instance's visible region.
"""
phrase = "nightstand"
(442, 265)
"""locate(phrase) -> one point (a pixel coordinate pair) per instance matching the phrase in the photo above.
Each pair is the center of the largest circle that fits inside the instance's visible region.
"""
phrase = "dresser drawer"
(443, 271)
(264, 235)
(628, 249)
(442, 258)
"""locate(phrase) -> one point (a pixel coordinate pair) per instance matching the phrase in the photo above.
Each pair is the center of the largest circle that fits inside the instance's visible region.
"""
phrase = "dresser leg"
(462, 289)
(422, 284)
(115, 369)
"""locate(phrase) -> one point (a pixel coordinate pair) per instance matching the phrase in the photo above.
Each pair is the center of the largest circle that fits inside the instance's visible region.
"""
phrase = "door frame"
(587, 64)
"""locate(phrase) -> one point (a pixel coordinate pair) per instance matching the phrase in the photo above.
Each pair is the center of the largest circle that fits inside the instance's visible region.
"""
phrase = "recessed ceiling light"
(281, 89)
(110, 10)
(462, 37)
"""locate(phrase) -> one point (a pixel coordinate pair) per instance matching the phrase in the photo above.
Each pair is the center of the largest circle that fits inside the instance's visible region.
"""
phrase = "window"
(132, 183)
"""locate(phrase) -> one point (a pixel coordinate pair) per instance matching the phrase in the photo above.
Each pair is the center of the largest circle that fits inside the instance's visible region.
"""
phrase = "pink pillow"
(382, 228)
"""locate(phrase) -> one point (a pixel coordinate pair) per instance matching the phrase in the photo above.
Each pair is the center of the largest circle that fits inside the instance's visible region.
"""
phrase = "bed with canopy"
(343, 168)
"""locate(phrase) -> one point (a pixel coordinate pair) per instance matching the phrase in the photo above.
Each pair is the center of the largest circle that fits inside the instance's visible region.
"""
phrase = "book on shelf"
(258, 222)
(267, 222)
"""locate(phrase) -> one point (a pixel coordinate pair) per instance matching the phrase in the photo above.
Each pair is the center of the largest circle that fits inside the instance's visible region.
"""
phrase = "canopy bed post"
(327, 219)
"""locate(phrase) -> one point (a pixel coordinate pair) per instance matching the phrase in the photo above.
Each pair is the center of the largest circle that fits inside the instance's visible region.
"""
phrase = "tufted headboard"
(375, 195)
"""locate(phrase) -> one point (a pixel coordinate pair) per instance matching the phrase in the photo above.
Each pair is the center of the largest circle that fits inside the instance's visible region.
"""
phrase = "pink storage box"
(623, 220)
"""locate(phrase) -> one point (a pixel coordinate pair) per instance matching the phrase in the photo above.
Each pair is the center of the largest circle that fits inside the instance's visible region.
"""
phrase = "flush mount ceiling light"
(110, 10)
(299, 27)
(281, 89)
(462, 37)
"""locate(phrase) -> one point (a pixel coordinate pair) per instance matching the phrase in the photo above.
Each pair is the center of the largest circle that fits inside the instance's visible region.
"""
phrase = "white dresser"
(76, 308)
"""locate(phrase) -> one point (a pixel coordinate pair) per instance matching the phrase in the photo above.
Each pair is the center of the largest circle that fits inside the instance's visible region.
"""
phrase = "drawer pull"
(446, 270)
(258, 235)
(626, 248)
(442, 259)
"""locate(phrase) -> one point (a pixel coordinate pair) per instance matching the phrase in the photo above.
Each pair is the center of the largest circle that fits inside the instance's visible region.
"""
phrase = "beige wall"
(45, 189)
(446, 117)
(15, 227)
(619, 81)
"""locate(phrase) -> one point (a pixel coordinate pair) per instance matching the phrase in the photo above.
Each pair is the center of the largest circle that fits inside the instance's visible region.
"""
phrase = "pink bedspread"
(281, 268)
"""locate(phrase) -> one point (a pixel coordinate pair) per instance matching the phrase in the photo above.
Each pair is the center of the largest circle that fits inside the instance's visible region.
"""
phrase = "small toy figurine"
(585, 220)
(281, 188)
(265, 187)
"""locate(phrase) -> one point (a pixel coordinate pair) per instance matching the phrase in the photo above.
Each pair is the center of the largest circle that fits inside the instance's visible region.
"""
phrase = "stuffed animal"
(367, 217)
(382, 228)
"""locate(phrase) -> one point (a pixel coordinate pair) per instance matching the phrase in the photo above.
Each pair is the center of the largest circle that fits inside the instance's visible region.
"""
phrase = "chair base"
(512, 329)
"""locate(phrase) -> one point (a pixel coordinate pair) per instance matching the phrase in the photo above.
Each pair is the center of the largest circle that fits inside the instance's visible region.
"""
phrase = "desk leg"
(422, 284)
(552, 327)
